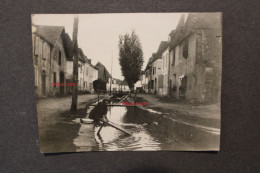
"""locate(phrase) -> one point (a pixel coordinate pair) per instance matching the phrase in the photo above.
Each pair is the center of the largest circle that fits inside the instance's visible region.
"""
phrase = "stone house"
(195, 58)
(49, 59)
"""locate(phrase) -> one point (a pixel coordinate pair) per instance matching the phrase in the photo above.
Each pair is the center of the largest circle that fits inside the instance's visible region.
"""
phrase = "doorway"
(62, 83)
(43, 76)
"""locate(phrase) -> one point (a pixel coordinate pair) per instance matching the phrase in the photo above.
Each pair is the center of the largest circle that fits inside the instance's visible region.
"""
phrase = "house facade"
(195, 55)
(165, 72)
(93, 75)
(49, 59)
(156, 87)
(190, 61)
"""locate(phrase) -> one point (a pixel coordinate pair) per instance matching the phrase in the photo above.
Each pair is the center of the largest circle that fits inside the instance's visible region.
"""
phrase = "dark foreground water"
(153, 131)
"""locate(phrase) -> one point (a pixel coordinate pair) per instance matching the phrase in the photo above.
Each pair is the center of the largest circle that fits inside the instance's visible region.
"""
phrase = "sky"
(98, 34)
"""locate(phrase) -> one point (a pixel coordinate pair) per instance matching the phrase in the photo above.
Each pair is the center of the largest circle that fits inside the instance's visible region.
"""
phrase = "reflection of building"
(49, 60)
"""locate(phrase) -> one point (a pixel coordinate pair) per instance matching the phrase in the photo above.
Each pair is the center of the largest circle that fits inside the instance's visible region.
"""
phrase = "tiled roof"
(82, 56)
(68, 46)
(49, 33)
(158, 55)
(100, 64)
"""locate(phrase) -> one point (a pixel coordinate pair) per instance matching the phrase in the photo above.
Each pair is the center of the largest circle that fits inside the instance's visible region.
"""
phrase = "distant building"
(83, 80)
(154, 70)
(144, 81)
(49, 59)
(92, 74)
(103, 74)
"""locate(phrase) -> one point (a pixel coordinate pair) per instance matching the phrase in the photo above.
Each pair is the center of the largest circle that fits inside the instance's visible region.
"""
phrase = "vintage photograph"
(128, 81)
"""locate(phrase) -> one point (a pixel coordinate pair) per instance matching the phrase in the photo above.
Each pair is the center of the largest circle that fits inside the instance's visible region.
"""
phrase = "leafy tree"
(130, 57)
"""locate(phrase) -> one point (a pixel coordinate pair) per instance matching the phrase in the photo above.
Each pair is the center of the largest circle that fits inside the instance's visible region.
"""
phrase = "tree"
(130, 58)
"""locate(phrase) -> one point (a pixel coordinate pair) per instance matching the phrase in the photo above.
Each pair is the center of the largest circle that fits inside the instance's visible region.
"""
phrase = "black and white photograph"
(128, 81)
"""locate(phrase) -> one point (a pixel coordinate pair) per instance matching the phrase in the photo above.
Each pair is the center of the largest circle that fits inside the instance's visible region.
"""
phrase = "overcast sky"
(98, 34)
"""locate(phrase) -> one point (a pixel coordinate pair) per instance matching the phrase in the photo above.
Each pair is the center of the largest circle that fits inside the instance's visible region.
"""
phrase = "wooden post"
(135, 96)
(75, 65)
(98, 94)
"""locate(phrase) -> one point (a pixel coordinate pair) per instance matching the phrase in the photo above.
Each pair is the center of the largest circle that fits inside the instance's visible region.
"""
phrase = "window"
(35, 76)
(33, 42)
(36, 46)
(35, 59)
(43, 50)
(86, 70)
(40, 48)
(167, 59)
(185, 49)
(59, 57)
(173, 58)
(54, 78)
(81, 82)
(152, 83)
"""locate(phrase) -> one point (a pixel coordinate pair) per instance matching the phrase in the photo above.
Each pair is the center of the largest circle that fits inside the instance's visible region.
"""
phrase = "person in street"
(99, 112)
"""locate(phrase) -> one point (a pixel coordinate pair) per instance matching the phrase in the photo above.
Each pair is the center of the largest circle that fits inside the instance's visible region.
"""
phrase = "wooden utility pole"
(111, 73)
(75, 65)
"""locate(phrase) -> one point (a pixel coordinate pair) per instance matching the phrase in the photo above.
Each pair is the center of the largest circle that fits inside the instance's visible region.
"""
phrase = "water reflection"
(151, 131)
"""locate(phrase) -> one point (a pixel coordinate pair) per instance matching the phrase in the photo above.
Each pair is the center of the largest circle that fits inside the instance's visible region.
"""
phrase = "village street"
(168, 99)
(57, 128)
(157, 125)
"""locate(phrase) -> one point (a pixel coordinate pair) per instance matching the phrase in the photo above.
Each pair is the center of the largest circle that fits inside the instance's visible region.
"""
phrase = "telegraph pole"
(111, 73)
(75, 65)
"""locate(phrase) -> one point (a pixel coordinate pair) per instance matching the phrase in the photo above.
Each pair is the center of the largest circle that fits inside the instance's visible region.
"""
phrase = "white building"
(165, 71)
(156, 72)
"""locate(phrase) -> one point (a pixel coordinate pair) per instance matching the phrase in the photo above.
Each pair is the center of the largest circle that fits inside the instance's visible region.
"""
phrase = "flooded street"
(153, 131)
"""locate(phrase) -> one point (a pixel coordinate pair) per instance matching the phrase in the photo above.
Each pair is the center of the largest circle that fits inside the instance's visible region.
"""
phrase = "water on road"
(153, 131)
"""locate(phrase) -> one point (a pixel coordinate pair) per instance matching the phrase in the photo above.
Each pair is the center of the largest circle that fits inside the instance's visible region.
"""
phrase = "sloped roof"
(68, 46)
(49, 33)
(89, 62)
(100, 64)
(195, 21)
(203, 20)
(163, 45)
(158, 55)
(82, 56)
